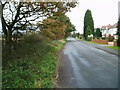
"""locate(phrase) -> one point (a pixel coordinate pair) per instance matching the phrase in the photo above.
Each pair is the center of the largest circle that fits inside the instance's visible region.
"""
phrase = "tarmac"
(101, 46)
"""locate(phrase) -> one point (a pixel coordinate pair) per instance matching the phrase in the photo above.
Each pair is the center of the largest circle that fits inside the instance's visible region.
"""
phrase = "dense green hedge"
(103, 38)
(89, 38)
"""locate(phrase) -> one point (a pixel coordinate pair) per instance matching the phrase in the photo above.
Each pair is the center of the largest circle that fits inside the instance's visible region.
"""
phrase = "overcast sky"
(104, 12)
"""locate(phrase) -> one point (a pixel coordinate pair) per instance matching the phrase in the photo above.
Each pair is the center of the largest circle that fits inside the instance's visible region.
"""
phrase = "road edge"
(100, 48)
(55, 80)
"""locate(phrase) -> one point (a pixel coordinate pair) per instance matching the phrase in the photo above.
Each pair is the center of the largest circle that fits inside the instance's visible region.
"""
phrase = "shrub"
(118, 42)
(33, 38)
(103, 38)
(31, 64)
(89, 38)
(98, 37)
(110, 39)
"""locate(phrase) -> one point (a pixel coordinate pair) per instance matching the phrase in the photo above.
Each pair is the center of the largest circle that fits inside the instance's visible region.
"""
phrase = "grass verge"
(32, 65)
(80, 39)
(113, 47)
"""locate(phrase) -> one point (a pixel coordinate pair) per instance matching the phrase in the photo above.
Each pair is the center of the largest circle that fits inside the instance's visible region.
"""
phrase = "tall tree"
(88, 31)
(98, 33)
(88, 21)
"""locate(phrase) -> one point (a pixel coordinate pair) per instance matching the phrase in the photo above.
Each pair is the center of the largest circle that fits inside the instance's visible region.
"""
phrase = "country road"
(83, 66)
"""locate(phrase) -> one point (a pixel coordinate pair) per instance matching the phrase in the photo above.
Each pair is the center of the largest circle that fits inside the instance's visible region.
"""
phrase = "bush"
(31, 64)
(89, 38)
(110, 39)
(118, 42)
(98, 37)
(103, 38)
(33, 38)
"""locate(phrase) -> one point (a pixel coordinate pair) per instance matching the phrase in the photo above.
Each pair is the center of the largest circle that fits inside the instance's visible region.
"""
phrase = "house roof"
(115, 25)
(109, 26)
(103, 27)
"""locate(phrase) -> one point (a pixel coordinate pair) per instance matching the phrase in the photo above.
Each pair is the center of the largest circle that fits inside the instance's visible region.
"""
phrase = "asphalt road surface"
(83, 66)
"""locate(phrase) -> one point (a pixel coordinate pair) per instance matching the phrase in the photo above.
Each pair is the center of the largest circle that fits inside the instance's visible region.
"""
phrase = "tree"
(64, 19)
(54, 29)
(88, 31)
(98, 33)
(118, 32)
(64, 23)
(78, 35)
(74, 34)
(16, 15)
(88, 21)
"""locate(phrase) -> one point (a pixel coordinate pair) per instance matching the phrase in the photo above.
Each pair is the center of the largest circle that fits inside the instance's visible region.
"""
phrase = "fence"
(100, 41)
(103, 41)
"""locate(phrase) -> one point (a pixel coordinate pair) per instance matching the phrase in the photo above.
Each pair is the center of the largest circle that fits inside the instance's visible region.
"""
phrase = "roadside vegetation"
(32, 63)
(33, 33)
(113, 47)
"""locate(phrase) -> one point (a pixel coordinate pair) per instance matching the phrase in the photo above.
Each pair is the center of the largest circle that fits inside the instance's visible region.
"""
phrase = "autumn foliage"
(54, 29)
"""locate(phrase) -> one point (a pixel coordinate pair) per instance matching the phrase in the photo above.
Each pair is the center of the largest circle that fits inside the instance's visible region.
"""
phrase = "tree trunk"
(9, 36)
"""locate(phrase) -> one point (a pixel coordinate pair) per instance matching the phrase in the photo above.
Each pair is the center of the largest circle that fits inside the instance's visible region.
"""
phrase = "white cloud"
(104, 12)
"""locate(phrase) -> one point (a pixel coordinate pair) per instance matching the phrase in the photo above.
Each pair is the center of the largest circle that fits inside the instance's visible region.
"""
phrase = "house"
(104, 31)
(109, 30)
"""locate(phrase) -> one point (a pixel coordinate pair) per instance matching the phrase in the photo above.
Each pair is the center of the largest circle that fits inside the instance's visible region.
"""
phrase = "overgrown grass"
(113, 47)
(32, 64)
